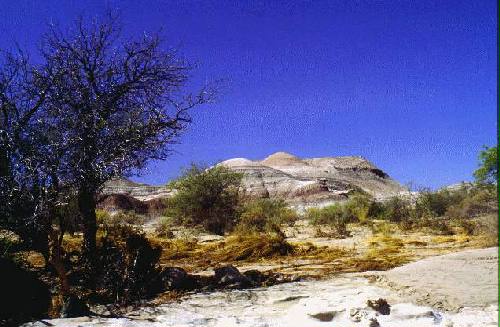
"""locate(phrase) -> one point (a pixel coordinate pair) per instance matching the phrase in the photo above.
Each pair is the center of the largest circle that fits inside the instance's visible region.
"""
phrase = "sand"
(467, 279)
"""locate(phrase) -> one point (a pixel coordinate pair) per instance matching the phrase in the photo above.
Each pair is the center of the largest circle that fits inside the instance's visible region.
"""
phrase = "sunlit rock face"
(302, 182)
(312, 181)
(143, 192)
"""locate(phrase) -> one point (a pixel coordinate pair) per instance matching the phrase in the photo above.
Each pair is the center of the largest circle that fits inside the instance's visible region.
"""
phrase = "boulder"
(312, 181)
(177, 279)
(380, 305)
(231, 278)
(256, 277)
(74, 307)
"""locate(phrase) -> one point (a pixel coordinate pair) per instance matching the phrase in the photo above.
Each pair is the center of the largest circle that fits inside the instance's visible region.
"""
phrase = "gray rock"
(323, 316)
(174, 278)
(380, 305)
(74, 307)
(230, 277)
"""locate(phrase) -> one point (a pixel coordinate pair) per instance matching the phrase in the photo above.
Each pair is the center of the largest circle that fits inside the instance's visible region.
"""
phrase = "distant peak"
(282, 159)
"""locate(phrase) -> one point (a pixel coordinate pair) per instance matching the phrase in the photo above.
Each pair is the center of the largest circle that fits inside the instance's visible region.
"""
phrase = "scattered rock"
(176, 279)
(356, 315)
(230, 277)
(74, 307)
(380, 305)
(373, 323)
(292, 298)
(255, 276)
(323, 316)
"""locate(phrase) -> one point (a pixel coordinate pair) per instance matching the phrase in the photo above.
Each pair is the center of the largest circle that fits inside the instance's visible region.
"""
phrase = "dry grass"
(308, 250)
(177, 248)
(34, 259)
(251, 247)
(72, 243)
(417, 243)
(460, 238)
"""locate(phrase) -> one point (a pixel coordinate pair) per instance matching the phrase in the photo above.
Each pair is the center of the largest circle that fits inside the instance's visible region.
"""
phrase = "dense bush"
(206, 197)
(397, 209)
(482, 199)
(164, 228)
(127, 267)
(437, 203)
(265, 215)
(335, 216)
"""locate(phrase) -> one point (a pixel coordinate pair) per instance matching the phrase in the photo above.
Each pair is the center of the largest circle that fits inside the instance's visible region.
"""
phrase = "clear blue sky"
(410, 85)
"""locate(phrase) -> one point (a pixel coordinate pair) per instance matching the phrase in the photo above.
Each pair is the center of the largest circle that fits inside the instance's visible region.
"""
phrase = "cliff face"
(314, 181)
(143, 192)
(301, 182)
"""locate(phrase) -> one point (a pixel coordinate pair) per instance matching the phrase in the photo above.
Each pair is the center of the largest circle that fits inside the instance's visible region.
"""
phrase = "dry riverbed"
(342, 301)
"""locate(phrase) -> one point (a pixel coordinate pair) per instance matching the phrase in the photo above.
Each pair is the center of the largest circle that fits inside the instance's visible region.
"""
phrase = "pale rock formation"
(312, 182)
(302, 182)
(143, 192)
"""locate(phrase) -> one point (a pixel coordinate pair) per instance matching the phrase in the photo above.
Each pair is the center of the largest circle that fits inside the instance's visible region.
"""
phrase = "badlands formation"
(314, 181)
(301, 182)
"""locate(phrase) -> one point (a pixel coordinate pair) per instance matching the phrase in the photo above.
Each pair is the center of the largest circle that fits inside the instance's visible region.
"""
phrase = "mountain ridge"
(302, 182)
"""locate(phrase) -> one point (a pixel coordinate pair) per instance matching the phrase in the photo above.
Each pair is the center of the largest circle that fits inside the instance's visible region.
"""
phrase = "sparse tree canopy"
(95, 107)
(488, 170)
(116, 104)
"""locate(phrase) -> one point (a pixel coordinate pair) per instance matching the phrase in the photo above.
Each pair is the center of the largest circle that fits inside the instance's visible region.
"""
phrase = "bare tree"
(113, 105)
(22, 176)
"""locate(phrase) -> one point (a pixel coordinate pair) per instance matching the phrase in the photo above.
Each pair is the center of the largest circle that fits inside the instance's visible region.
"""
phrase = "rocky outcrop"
(302, 182)
(124, 202)
(314, 181)
(143, 192)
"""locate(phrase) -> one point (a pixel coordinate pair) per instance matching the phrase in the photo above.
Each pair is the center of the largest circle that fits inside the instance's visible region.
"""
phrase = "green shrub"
(437, 203)
(487, 173)
(102, 217)
(164, 228)
(362, 207)
(265, 215)
(397, 209)
(207, 198)
(335, 216)
(480, 200)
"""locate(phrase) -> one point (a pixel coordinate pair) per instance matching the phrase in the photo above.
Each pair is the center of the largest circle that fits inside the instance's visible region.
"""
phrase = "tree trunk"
(56, 260)
(87, 205)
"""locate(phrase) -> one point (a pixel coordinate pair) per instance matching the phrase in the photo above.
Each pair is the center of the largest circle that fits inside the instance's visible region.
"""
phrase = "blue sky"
(410, 85)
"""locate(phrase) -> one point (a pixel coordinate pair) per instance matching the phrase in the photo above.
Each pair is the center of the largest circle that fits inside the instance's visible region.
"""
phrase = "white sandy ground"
(467, 280)
(450, 282)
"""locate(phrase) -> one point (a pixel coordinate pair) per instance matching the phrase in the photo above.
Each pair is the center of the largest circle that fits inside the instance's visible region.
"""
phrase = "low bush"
(334, 216)
(435, 225)
(127, 267)
(265, 215)
(103, 218)
(397, 209)
(164, 228)
(206, 197)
